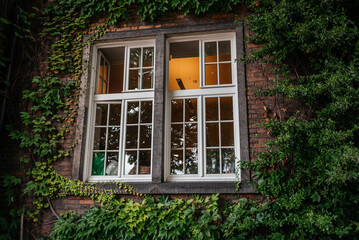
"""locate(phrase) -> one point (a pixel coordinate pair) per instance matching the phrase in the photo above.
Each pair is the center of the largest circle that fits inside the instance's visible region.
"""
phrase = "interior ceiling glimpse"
(114, 54)
(184, 49)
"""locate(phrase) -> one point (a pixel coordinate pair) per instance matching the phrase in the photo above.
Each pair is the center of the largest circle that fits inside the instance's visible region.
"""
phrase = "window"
(201, 110)
(119, 143)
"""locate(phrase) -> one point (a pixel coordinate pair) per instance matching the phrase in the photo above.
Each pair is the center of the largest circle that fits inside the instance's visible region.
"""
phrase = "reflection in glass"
(101, 114)
(113, 138)
(211, 74)
(191, 161)
(176, 162)
(211, 109)
(145, 162)
(210, 52)
(132, 112)
(191, 135)
(226, 108)
(135, 54)
(112, 164)
(131, 137)
(99, 138)
(227, 134)
(213, 163)
(147, 75)
(225, 73)
(177, 110)
(115, 114)
(191, 110)
(131, 163)
(133, 79)
(98, 160)
(146, 112)
(147, 57)
(212, 132)
(145, 136)
(224, 50)
(228, 160)
(176, 135)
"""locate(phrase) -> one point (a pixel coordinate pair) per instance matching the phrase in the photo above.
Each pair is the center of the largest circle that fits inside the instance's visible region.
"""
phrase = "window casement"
(201, 112)
(119, 142)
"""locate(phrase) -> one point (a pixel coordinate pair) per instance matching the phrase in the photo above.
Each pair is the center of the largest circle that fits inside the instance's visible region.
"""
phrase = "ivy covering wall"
(309, 174)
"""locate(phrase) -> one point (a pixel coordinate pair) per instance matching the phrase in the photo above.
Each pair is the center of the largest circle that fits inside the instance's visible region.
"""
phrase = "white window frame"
(124, 97)
(202, 93)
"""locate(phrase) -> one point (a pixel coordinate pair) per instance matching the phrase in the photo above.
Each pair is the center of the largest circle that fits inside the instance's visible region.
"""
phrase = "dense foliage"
(309, 176)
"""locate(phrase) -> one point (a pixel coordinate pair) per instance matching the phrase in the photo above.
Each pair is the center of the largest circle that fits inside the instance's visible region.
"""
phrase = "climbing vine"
(309, 174)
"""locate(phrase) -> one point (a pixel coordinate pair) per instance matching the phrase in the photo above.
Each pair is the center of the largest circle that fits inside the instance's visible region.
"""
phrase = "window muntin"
(216, 145)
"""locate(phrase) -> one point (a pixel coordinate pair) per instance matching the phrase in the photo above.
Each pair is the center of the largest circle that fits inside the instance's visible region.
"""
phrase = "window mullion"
(219, 135)
(138, 138)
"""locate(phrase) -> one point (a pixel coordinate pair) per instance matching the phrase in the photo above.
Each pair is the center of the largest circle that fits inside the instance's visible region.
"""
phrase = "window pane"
(131, 163)
(146, 112)
(132, 112)
(212, 135)
(191, 135)
(227, 134)
(224, 51)
(176, 162)
(147, 75)
(101, 114)
(184, 66)
(210, 52)
(211, 109)
(98, 160)
(133, 79)
(191, 110)
(135, 56)
(147, 57)
(115, 114)
(226, 108)
(145, 162)
(225, 73)
(213, 164)
(131, 137)
(176, 135)
(145, 136)
(211, 74)
(99, 138)
(112, 164)
(177, 110)
(228, 160)
(191, 161)
(113, 138)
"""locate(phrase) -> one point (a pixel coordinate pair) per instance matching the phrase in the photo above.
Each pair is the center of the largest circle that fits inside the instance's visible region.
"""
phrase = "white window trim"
(200, 94)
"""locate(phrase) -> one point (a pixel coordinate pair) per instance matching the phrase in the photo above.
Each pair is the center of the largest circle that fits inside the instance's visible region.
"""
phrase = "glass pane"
(132, 112)
(227, 134)
(212, 135)
(131, 163)
(135, 55)
(228, 161)
(146, 112)
(145, 162)
(184, 66)
(99, 86)
(224, 50)
(226, 108)
(105, 73)
(225, 73)
(112, 164)
(145, 136)
(147, 75)
(177, 110)
(133, 79)
(176, 135)
(191, 110)
(213, 164)
(176, 162)
(113, 140)
(115, 114)
(191, 161)
(210, 52)
(101, 114)
(131, 137)
(99, 142)
(191, 135)
(211, 109)
(211, 74)
(147, 57)
(98, 160)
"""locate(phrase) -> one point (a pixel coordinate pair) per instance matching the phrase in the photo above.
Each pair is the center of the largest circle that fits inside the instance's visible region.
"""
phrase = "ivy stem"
(52, 209)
